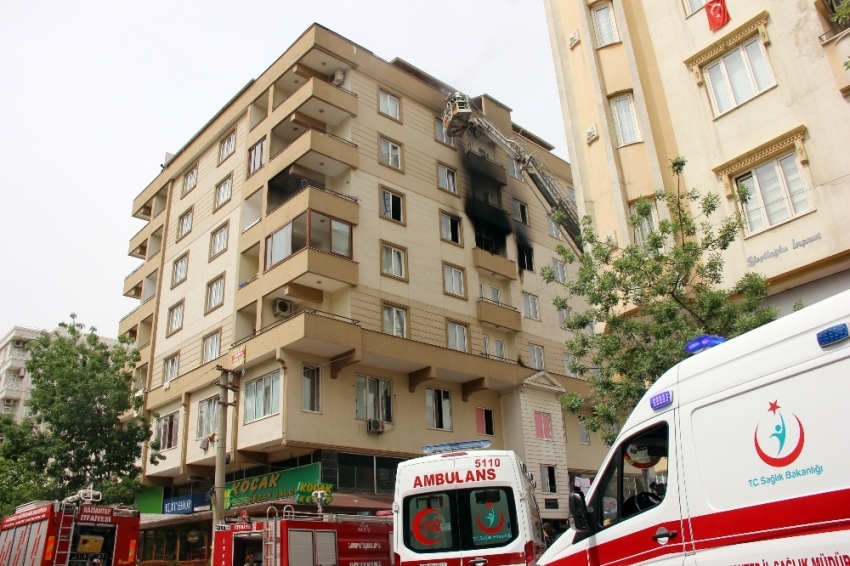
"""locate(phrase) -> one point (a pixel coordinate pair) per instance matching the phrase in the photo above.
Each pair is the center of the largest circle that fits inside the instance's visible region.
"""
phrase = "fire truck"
(69, 533)
(305, 539)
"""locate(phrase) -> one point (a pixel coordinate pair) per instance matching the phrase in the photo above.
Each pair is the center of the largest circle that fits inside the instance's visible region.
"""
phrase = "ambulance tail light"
(529, 553)
(396, 559)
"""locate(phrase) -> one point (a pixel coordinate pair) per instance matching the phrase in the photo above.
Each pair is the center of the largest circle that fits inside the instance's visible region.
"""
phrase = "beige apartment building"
(760, 102)
(382, 277)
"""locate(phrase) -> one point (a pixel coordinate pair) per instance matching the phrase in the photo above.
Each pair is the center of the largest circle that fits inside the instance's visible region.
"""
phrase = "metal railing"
(297, 313)
(497, 303)
(249, 281)
(141, 265)
(318, 131)
(498, 358)
(351, 198)
(837, 30)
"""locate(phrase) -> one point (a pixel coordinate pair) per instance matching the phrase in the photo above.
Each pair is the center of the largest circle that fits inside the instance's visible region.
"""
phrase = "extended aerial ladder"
(457, 120)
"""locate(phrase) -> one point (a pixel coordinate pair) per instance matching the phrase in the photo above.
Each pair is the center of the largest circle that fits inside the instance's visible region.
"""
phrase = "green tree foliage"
(652, 299)
(76, 435)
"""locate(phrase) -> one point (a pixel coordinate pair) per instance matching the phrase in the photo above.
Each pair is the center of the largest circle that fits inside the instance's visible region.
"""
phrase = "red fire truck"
(309, 539)
(69, 533)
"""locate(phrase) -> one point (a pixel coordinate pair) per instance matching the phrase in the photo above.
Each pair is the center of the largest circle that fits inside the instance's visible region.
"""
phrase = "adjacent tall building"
(377, 281)
(760, 102)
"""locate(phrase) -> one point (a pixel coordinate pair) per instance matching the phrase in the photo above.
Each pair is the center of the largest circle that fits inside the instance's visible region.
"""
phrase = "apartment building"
(760, 101)
(379, 279)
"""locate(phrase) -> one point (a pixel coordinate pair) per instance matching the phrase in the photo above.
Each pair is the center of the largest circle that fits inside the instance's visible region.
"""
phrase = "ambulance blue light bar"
(456, 446)
(661, 400)
(703, 342)
(833, 334)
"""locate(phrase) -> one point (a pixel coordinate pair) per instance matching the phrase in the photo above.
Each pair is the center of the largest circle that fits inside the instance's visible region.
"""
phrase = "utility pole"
(224, 385)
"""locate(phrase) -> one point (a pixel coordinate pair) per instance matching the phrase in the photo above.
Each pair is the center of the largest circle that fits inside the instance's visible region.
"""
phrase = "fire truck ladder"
(67, 512)
(271, 537)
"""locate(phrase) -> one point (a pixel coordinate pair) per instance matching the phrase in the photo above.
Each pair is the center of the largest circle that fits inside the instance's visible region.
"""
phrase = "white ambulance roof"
(786, 342)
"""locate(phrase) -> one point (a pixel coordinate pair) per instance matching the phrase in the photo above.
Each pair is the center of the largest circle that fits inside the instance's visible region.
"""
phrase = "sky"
(94, 92)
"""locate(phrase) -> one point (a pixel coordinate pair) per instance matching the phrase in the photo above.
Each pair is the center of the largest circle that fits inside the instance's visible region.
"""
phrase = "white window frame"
(622, 140)
(543, 434)
(584, 434)
(170, 422)
(215, 293)
(256, 157)
(184, 224)
(545, 486)
(530, 306)
(720, 63)
(212, 347)
(207, 417)
(396, 267)
(457, 333)
(190, 180)
(391, 314)
(554, 229)
(270, 402)
(453, 281)
(175, 318)
(385, 107)
(440, 133)
(446, 221)
(368, 407)
(171, 369)
(227, 146)
(521, 212)
(757, 204)
(560, 269)
(535, 357)
(601, 40)
(390, 147)
(313, 404)
(689, 9)
(563, 315)
(223, 192)
(218, 241)
(447, 179)
(387, 212)
(568, 358)
(514, 168)
(647, 225)
(438, 419)
(180, 268)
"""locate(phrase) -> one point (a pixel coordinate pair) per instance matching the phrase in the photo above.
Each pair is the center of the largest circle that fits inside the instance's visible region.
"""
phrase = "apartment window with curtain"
(737, 76)
(543, 425)
(321, 233)
(450, 228)
(644, 227)
(692, 6)
(212, 347)
(215, 293)
(255, 157)
(395, 321)
(167, 431)
(227, 147)
(569, 359)
(184, 224)
(447, 179)
(453, 281)
(170, 368)
(440, 132)
(389, 105)
(535, 356)
(392, 261)
(484, 421)
(521, 212)
(625, 120)
(560, 271)
(529, 306)
(390, 153)
(190, 180)
(310, 389)
(438, 404)
(457, 336)
(180, 270)
(222, 192)
(392, 206)
(514, 169)
(262, 397)
(207, 417)
(495, 293)
(175, 318)
(218, 241)
(604, 24)
(584, 434)
(548, 482)
(776, 193)
(373, 398)
(554, 229)
(493, 348)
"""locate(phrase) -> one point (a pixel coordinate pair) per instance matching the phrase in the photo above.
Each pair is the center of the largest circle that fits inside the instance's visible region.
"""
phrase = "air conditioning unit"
(338, 78)
(8, 402)
(22, 372)
(282, 307)
(19, 343)
(375, 425)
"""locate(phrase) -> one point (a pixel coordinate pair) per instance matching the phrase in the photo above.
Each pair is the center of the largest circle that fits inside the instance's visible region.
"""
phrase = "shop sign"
(193, 536)
(304, 495)
(95, 514)
(201, 502)
(182, 505)
(237, 356)
(269, 487)
(25, 517)
(754, 260)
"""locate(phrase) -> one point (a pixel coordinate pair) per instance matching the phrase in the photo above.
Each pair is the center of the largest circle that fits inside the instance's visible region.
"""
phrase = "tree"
(652, 299)
(82, 389)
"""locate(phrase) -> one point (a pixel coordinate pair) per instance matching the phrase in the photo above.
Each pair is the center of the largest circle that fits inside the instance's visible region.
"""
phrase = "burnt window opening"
(490, 240)
(526, 258)
(285, 185)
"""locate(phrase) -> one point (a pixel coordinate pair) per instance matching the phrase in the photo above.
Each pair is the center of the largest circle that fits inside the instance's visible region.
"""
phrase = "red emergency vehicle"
(309, 539)
(69, 533)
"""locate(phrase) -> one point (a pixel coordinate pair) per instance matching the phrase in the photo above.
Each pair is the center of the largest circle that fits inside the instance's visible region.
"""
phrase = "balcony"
(485, 166)
(140, 243)
(141, 282)
(320, 100)
(319, 151)
(494, 264)
(499, 315)
(334, 204)
(137, 315)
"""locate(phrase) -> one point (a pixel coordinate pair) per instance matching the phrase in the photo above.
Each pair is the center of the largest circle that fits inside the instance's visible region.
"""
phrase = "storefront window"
(188, 542)
(193, 542)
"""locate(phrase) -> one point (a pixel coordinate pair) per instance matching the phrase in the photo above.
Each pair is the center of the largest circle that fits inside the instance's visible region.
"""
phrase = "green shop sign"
(272, 486)
(304, 495)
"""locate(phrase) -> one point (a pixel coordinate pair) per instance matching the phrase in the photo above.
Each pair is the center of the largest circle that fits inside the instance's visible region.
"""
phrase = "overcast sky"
(93, 93)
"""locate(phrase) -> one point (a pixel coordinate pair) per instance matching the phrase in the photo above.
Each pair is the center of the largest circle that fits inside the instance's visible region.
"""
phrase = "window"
(440, 132)
(521, 212)
(222, 192)
(438, 404)
(495, 293)
(262, 397)
(207, 417)
(560, 271)
(498, 349)
(529, 306)
(646, 224)
(212, 347)
(584, 434)
(623, 109)
(603, 24)
(167, 430)
(373, 398)
(563, 315)
(777, 193)
(514, 169)
(590, 330)
(171, 367)
(526, 258)
(227, 147)
(310, 389)
(484, 421)
(569, 359)
(453, 280)
(738, 76)
(390, 153)
(175, 318)
(543, 425)
(325, 234)
(457, 336)
(255, 157)
(392, 261)
(447, 179)
(554, 229)
(624, 495)
(395, 321)
(180, 270)
(392, 206)
(190, 180)
(535, 356)
(184, 224)
(692, 6)
(389, 105)
(215, 293)
(218, 241)
(450, 228)
(548, 483)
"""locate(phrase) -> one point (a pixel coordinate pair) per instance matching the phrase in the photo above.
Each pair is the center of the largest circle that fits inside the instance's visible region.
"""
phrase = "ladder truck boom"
(458, 119)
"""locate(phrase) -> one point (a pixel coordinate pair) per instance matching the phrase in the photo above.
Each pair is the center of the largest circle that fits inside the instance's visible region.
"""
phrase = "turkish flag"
(718, 15)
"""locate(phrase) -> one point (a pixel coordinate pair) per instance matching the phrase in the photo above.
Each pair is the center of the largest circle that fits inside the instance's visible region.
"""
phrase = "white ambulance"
(466, 506)
(739, 455)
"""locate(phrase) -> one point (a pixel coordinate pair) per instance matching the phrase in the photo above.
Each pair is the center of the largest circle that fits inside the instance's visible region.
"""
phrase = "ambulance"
(739, 455)
(465, 505)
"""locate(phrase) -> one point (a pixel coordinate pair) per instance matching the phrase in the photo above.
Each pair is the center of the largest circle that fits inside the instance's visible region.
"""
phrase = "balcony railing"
(141, 265)
(299, 312)
(497, 303)
(249, 281)
(499, 358)
(318, 131)
(302, 85)
(833, 32)
(351, 198)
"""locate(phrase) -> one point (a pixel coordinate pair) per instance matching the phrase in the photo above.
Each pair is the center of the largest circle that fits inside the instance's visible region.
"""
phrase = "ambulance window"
(429, 519)
(491, 516)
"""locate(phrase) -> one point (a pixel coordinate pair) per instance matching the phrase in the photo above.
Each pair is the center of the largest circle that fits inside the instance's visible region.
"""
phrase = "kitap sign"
(271, 486)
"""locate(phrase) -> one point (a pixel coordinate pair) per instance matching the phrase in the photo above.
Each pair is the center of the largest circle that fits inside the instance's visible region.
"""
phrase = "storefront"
(186, 544)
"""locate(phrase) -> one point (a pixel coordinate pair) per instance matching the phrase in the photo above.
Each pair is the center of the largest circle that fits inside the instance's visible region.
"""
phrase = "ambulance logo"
(426, 527)
(491, 527)
(776, 444)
